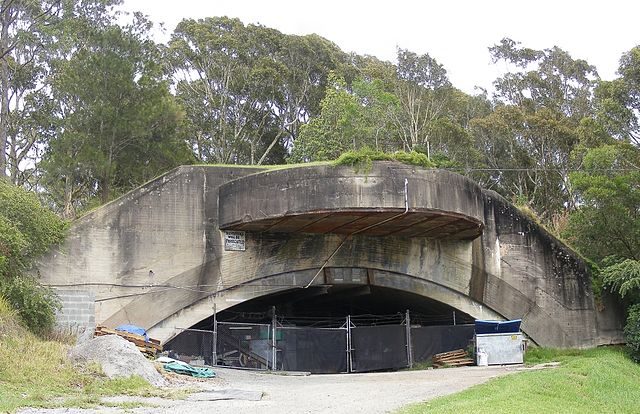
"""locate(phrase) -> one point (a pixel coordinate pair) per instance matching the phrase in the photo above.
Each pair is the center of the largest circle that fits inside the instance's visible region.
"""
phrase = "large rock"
(117, 357)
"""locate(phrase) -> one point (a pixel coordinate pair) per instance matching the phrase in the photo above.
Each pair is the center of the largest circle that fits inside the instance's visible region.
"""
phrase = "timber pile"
(457, 358)
(149, 348)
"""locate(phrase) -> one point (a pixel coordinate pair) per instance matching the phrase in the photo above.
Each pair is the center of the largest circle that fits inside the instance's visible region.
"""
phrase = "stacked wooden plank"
(455, 358)
(149, 348)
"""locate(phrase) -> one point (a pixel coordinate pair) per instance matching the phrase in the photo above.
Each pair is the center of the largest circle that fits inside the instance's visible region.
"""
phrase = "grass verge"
(601, 380)
(36, 373)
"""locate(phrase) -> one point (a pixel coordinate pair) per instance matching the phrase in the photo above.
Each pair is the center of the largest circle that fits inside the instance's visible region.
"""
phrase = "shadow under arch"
(228, 298)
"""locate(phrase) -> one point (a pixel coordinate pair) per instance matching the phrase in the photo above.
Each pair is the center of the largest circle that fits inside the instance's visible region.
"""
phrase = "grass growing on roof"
(602, 380)
(362, 159)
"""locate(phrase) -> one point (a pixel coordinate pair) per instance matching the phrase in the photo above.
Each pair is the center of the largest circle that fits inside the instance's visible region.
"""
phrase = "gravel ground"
(347, 393)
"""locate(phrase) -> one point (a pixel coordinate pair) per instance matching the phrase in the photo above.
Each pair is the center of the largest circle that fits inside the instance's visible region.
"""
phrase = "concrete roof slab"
(392, 198)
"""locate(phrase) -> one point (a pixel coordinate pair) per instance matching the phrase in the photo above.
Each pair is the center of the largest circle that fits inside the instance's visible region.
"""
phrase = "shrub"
(362, 160)
(413, 158)
(27, 230)
(632, 331)
(36, 304)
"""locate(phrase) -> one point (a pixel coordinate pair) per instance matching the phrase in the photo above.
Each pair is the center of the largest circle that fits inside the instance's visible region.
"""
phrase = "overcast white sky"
(455, 32)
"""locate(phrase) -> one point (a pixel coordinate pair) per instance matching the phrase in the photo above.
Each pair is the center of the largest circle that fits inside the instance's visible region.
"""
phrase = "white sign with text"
(234, 241)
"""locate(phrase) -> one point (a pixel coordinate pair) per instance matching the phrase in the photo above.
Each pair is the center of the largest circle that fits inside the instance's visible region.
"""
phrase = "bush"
(413, 158)
(362, 160)
(632, 331)
(27, 230)
(36, 304)
(624, 278)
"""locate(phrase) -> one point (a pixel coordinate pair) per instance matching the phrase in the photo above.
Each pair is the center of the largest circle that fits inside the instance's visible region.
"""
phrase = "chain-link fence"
(315, 350)
(244, 345)
(375, 348)
(427, 341)
(361, 344)
(193, 346)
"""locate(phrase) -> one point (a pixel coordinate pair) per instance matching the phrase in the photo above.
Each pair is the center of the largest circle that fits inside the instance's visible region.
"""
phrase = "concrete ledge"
(338, 199)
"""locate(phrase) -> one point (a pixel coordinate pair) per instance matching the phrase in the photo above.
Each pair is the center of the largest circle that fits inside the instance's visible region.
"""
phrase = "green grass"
(362, 159)
(602, 380)
(35, 372)
(422, 365)
(537, 355)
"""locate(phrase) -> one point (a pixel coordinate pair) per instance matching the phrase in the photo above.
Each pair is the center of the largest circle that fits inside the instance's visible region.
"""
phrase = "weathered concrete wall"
(531, 275)
(154, 257)
(161, 235)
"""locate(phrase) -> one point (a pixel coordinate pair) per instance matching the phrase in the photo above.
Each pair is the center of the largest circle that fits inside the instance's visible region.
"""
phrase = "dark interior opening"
(327, 306)
(312, 333)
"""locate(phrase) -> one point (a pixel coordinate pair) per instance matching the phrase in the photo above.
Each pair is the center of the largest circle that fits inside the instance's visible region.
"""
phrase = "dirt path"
(353, 393)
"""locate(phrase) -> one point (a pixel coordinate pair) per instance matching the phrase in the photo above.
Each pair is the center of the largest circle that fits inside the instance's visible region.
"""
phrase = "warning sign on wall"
(234, 241)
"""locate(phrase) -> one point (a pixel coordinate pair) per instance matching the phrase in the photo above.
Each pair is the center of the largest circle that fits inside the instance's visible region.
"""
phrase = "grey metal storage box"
(501, 348)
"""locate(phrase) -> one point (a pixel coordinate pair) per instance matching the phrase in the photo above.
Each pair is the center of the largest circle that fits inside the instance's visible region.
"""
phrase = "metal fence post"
(274, 352)
(407, 320)
(349, 356)
(215, 336)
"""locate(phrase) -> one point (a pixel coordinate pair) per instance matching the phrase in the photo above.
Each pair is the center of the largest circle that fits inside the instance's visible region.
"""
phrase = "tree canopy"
(92, 106)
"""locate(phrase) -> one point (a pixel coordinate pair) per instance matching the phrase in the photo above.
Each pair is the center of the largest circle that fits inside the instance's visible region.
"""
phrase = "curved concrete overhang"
(391, 199)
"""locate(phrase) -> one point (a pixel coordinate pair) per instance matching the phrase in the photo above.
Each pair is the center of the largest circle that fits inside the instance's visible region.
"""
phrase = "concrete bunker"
(165, 254)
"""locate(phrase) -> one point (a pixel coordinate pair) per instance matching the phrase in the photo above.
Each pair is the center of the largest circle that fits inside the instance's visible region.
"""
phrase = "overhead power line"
(523, 169)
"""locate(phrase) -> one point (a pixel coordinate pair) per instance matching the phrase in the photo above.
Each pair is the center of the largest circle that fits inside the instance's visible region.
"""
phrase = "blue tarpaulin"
(489, 327)
(134, 330)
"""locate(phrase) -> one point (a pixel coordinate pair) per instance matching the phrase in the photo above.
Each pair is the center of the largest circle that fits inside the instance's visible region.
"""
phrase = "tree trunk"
(106, 190)
(106, 179)
(5, 21)
(68, 212)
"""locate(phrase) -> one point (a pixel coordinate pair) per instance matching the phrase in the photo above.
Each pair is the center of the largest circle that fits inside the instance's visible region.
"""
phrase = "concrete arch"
(225, 299)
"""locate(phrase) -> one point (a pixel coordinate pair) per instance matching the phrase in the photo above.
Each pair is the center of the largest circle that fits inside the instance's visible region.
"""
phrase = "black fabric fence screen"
(315, 350)
(427, 341)
(192, 346)
(378, 347)
(244, 345)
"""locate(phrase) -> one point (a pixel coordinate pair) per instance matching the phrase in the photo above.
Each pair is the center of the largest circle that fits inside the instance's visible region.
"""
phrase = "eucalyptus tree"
(618, 101)
(305, 63)
(548, 78)
(607, 224)
(338, 128)
(114, 117)
(350, 118)
(423, 90)
(543, 105)
(33, 34)
(215, 61)
(246, 89)
(23, 38)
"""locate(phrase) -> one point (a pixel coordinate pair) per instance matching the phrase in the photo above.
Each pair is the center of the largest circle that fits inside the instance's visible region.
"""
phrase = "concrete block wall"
(78, 313)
